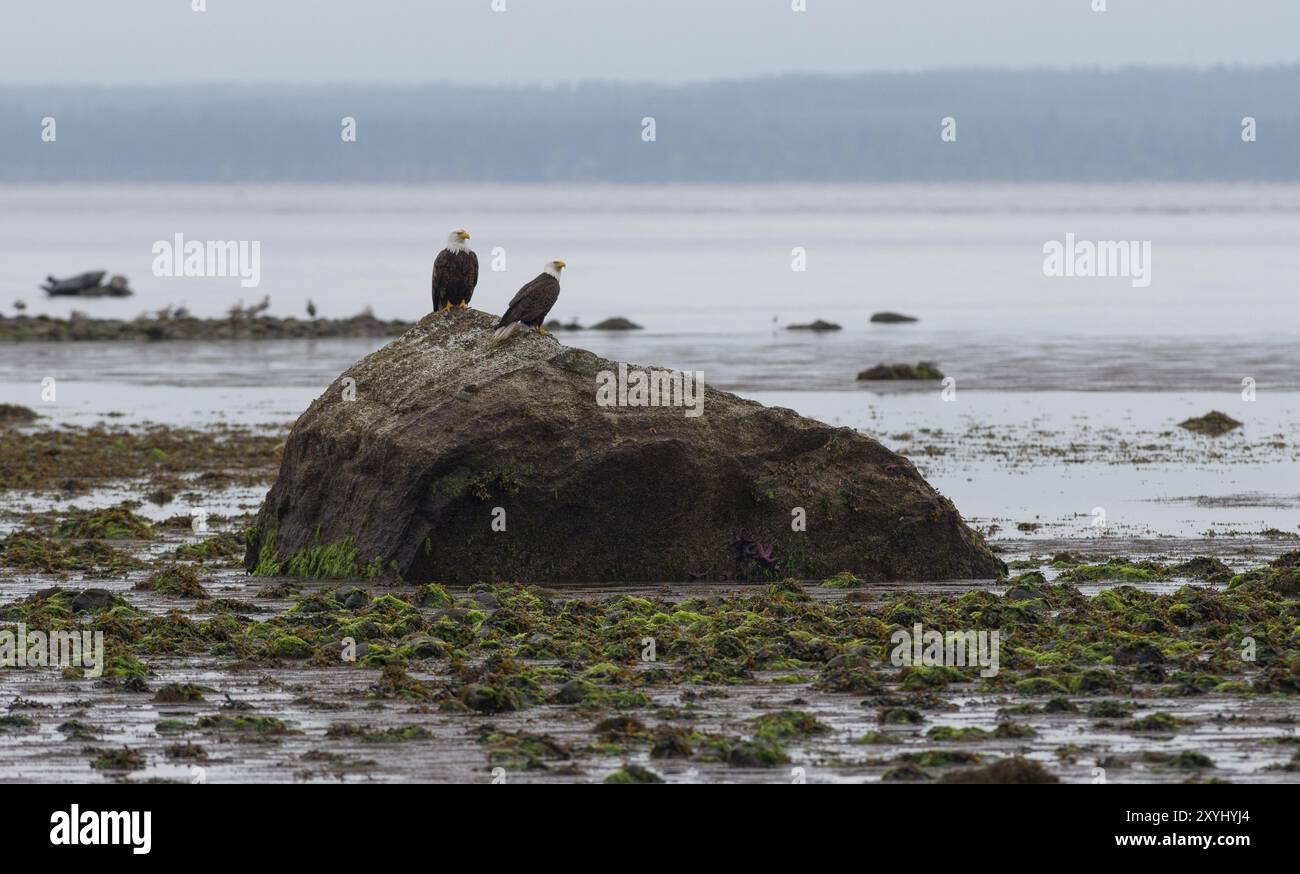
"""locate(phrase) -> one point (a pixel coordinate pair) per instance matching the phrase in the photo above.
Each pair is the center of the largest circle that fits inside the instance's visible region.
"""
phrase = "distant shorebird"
(455, 273)
(311, 309)
(532, 303)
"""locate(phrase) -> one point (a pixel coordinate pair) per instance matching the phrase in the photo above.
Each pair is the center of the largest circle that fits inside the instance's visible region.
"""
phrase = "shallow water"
(1068, 394)
(1004, 454)
(1248, 739)
(693, 258)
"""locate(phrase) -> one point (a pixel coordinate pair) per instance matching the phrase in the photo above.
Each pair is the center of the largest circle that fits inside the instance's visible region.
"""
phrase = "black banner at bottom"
(141, 823)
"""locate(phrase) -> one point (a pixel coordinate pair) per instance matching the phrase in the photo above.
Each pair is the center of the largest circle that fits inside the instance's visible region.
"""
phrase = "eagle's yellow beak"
(464, 235)
(560, 264)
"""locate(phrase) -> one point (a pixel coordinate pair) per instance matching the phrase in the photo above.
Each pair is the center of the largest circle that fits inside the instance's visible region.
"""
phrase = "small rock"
(923, 370)
(1139, 653)
(618, 323)
(91, 600)
(16, 413)
(355, 599)
(818, 325)
(1011, 770)
(1211, 424)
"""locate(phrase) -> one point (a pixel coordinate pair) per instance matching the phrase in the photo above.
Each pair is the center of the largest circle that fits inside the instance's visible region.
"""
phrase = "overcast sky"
(549, 41)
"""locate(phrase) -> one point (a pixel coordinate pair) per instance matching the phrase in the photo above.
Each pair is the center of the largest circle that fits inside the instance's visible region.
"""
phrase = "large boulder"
(401, 465)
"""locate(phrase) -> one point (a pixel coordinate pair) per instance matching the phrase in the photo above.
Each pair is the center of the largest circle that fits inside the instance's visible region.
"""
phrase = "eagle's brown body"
(454, 276)
(532, 303)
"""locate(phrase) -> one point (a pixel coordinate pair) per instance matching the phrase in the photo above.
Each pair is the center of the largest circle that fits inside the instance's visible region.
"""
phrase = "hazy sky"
(547, 41)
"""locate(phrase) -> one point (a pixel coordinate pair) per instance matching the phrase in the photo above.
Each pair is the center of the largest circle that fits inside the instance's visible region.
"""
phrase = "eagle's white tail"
(505, 332)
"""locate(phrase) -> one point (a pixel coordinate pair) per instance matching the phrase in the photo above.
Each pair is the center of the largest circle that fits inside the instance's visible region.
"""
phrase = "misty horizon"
(1003, 125)
(598, 81)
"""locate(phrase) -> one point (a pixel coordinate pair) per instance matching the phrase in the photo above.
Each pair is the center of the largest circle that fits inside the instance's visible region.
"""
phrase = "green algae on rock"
(371, 735)
(842, 580)
(923, 370)
(16, 414)
(179, 693)
(178, 580)
(125, 759)
(545, 660)
(634, 774)
(429, 480)
(1281, 576)
(1212, 423)
(111, 523)
(72, 459)
(30, 551)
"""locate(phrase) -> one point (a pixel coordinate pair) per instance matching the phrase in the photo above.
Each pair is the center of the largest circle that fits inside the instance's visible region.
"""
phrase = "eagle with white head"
(455, 273)
(532, 303)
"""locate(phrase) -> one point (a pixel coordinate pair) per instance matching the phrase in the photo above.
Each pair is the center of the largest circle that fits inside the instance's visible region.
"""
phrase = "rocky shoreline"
(1112, 656)
(171, 325)
(357, 679)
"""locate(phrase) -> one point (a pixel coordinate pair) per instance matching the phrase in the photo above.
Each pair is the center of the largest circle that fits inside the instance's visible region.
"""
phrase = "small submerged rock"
(818, 325)
(618, 323)
(557, 325)
(1138, 653)
(1281, 575)
(888, 318)
(634, 774)
(1015, 769)
(1212, 424)
(923, 370)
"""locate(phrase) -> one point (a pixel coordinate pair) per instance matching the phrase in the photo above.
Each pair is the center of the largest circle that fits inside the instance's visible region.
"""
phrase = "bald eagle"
(532, 303)
(455, 273)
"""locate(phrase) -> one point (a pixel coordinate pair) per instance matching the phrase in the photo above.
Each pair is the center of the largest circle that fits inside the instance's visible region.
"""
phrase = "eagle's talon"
(463, 306)
(542, 332)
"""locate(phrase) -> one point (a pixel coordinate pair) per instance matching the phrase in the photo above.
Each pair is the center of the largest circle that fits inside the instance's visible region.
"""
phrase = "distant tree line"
(1033, 125)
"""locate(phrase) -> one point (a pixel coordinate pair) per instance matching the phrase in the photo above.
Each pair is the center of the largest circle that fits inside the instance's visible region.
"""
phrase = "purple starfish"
(747, 550)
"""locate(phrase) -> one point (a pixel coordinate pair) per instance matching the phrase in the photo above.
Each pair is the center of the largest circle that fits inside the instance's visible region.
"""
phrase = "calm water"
(966, 257)
(1084, 367)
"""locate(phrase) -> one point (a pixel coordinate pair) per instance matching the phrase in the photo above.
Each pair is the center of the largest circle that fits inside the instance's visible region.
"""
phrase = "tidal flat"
(1155, 647)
